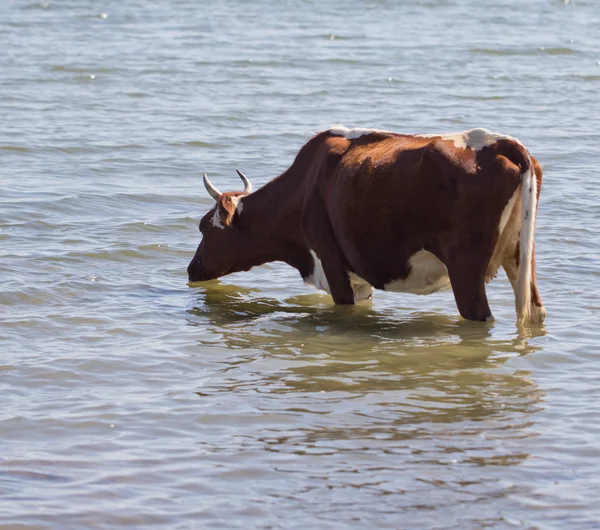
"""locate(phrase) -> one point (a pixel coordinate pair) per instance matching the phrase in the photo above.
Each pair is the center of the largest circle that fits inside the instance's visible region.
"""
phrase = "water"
(129, 399)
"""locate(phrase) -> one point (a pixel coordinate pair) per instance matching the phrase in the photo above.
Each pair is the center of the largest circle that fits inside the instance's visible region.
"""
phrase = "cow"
(364, 209)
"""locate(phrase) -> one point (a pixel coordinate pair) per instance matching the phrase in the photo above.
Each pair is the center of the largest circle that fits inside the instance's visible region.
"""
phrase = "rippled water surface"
(130, 399)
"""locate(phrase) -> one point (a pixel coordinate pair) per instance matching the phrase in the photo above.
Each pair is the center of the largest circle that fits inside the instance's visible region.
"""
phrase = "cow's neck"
(273, 212)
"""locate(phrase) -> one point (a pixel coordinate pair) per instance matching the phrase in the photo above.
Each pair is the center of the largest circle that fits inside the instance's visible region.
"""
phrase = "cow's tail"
(528, 215)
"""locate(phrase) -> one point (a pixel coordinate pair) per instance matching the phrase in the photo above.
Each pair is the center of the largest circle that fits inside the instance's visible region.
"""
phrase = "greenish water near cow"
(130, 399)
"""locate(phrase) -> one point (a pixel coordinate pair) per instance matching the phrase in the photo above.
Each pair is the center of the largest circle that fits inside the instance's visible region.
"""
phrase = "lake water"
(129, 399)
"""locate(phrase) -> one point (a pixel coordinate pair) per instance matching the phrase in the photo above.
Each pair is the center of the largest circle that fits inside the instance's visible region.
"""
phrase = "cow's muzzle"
(196, 272)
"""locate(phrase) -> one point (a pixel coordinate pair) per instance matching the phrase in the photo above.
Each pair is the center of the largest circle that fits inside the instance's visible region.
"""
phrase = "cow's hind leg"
(510, 264)
(467, 270)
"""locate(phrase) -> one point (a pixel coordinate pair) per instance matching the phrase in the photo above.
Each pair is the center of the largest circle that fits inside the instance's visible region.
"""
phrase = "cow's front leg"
(338, 280)
(467, 271)
(327, 251)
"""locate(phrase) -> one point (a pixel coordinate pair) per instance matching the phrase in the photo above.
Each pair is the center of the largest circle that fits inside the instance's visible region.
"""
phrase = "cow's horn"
(213, 192)
(248, 188)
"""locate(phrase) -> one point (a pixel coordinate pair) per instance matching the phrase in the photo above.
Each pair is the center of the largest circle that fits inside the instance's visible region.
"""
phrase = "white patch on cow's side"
(475, 139)
(363, 290)
(317, 278)
(351, 134)
(216, 219)
(427, 275)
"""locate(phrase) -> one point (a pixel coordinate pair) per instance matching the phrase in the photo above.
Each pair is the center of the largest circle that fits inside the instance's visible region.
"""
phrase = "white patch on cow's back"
(351, 134)
(427, 275)
(475, 139)
(363, 290)
(317, 278)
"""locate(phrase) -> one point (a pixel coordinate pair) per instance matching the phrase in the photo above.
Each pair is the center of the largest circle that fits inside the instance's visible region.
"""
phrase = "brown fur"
(367, 205)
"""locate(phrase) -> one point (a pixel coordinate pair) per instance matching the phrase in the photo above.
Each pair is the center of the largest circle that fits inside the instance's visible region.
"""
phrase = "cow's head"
(227, 246)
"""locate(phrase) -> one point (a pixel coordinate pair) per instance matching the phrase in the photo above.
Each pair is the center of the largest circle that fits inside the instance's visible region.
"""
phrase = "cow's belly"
(427, 275)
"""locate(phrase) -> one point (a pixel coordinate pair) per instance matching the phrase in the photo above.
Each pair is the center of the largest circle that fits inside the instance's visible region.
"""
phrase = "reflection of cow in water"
(362, 209)
(384, 393)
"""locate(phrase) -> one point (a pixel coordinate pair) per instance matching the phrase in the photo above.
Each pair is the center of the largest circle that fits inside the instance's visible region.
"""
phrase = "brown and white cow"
(362, 209)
